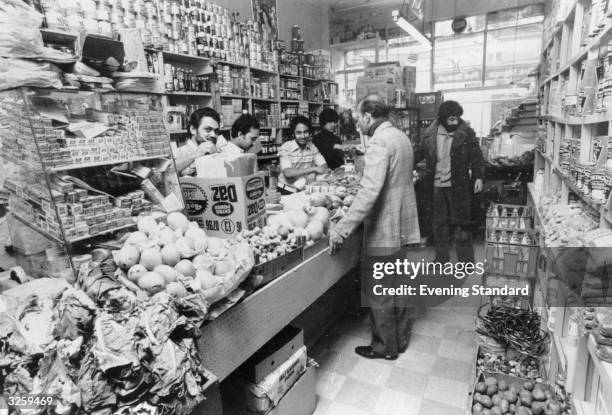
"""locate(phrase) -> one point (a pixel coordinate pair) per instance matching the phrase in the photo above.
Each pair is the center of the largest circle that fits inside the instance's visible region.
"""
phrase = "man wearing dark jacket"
(328, 143)
(454, 172)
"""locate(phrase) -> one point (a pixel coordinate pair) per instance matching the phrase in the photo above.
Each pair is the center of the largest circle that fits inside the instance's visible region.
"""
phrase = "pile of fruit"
(513, 364)
(493, 397)
(179, 257)
(286, 231)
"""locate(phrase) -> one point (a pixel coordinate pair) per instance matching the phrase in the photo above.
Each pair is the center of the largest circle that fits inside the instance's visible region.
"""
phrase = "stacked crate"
(511, 249)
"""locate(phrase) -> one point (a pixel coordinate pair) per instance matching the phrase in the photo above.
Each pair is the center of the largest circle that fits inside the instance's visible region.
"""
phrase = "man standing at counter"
(244, 132)
(386, 203)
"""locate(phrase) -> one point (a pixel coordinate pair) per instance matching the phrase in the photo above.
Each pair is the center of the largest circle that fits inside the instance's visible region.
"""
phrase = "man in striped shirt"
(300, 161)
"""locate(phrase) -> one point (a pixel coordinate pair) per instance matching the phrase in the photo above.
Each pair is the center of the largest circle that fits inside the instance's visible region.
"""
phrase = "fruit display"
(494, 396)
(179, 258)
(510, 362)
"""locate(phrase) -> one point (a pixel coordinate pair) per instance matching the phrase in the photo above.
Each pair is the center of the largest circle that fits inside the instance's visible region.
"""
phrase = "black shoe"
(403, 349)
(369, 353)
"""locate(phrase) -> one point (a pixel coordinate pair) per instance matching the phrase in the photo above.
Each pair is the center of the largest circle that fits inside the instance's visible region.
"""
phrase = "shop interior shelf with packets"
(81, 164)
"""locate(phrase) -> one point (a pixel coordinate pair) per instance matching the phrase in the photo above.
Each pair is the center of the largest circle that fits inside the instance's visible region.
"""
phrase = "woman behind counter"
(329, 144)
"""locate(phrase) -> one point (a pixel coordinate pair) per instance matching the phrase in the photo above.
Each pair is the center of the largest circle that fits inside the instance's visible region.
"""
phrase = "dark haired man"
(244, 132)
(386, 203)
(203, 132)
(328, 143)
(300, 161)
(454, 171)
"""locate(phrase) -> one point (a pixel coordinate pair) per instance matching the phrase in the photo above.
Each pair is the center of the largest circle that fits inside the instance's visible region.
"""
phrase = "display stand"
(231, 339)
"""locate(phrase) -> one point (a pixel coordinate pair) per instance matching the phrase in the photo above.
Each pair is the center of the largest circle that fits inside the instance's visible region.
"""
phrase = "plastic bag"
(20, 36)
(16, 72)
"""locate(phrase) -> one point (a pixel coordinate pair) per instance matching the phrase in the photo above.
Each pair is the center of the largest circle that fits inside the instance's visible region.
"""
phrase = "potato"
(502, 385)
(526, 398)
(485, 401)
(491, 381)
(492, 390)
(504, 405)
(481, 387)
(477, 409)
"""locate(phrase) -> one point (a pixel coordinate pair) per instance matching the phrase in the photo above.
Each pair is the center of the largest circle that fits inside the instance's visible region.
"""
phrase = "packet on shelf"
(226, 165)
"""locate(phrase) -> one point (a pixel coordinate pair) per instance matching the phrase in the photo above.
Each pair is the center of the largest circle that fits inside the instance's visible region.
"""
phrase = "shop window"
(512, 54)
(357, 58)
(475, 24)
(516, 17)
(458, 61)
(411, 53)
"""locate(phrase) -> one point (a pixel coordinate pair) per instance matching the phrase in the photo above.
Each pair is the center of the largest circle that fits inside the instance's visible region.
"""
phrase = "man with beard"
(454, 172)
(244, 132)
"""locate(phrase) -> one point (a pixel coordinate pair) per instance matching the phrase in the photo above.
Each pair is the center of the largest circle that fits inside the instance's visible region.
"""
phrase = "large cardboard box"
(301, 398)
(273, 354)
(225, 206)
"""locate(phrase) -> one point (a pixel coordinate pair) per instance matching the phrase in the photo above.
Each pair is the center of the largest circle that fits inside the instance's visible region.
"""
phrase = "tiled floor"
(433, 376)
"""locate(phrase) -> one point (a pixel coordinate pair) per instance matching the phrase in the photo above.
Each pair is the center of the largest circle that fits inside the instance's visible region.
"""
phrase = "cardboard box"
(301, 398)
(226, 165)
(225, 206)
(273, 354)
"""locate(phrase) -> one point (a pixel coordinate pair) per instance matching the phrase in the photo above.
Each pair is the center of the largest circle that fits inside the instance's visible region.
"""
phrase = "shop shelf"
(31, 225)
(103, 163)
(604, 369)
(265, 100)
(234, 64)
(594, 205)
(582, 54)
(232, 96)
(181, 57)
(290, 101)
(286, 75)
(189, 93)
(263, 71)
(58, 36)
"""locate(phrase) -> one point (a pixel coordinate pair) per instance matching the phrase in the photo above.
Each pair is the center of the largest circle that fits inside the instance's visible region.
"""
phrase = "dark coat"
(466, 158)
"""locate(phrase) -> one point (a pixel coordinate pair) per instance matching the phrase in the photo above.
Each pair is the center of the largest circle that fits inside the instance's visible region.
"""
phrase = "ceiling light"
(402, 22)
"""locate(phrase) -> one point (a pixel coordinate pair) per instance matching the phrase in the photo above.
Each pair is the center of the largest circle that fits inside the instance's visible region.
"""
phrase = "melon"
(203, 262)
(136, 272)
(127, 257)
(152, 283)
(185, 267)
(150, 258)
(167, 272)
(224, 266)
(315, 229)
(136, 238)
(207, 279)
(170, 255)
(167, 236)
(177, 220)
(176, 289)
(299, 219)
(147, 225)
(184, 248)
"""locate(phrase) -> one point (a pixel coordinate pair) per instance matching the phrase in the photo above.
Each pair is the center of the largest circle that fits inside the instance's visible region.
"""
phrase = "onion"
(225, 266)
(186, 268)
(136, 272)
(147, 225)
(207, 279)
(167, 272)
(177, 220)
(318, 199)
(203, 262)
(150, 258)
(315, 229)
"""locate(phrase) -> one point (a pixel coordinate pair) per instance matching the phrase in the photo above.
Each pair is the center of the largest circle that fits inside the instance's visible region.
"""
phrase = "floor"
(433, 376)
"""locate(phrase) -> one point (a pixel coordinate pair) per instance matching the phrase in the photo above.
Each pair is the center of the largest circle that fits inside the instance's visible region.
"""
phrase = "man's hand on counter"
(335, 242)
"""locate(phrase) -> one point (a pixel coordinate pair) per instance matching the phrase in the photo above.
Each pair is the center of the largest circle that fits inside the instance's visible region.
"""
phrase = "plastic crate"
(510, 217)
(514, 260)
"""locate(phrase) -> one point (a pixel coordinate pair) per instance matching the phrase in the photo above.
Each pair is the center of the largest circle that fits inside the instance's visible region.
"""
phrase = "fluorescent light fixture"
(401, 21)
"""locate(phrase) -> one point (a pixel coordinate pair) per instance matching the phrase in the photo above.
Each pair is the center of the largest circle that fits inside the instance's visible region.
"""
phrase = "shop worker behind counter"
(205, 138)
(454, 171)
(328, 143)
(386, 203)
(300, 161)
